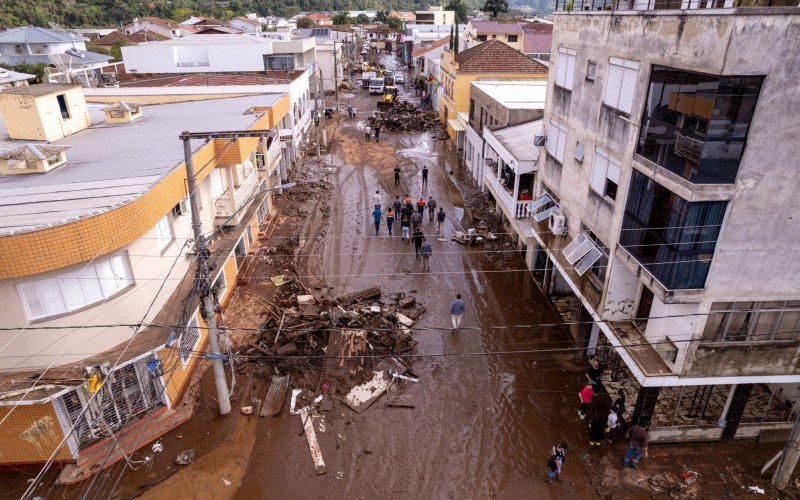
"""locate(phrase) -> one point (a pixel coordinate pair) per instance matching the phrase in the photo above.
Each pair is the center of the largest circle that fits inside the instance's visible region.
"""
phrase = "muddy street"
(481, 425)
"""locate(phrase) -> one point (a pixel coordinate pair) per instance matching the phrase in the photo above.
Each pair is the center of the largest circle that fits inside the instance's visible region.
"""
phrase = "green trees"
(342, 18)
(305, 22)
(395, 23)
(460, 9)
(495, 6)
(362, 19)
(382, 16)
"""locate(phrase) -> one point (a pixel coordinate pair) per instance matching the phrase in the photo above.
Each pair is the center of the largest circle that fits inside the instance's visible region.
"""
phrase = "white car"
(399, 79)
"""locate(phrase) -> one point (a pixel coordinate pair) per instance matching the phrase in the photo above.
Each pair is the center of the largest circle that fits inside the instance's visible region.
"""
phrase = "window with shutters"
(605, 174)
(621, 84)
(556, 141)
(74, 290)
(164, 233)
(565, 69)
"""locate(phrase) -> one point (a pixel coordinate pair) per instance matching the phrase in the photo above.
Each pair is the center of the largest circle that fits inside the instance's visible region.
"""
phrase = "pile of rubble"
(405, 117)
(300, 327)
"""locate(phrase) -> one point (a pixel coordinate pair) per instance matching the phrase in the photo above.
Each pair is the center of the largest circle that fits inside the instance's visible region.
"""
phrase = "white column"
(594, 334)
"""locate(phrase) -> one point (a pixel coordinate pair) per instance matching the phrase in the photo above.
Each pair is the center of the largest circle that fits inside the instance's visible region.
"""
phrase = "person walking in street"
(424, 176)
(585, 395)
(404, 226)
(377, 133)
(593, 373)
(416, 220)
(612, 422)
(431, 208)
(417, 238)
(426, 252)
(367, 134)
(377, 200)
(619, 407)
(376, 215)
(421, 207)
(597, 431)
(407, 200)
(457, 312)
(558, 457)
(397, 175)
(440, 220)
(350, 112)
(637, 447)
(389, 220)
(397, 206)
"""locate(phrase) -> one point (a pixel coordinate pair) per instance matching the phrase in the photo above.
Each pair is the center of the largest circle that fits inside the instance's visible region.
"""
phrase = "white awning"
(545, 214)
(539, 202)
(583, 251)
(456, 125)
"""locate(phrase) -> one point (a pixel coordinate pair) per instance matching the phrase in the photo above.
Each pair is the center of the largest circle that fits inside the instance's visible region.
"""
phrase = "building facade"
(510, 33)
(658, 212)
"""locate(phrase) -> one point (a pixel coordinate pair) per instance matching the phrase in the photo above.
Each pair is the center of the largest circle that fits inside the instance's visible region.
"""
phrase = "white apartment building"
(435, 15)
(666, 208)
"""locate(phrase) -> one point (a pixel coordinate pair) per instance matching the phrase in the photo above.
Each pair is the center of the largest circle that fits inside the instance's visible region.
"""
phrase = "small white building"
(219, 53)
(245, 24)
(436, 15)
(160, 26)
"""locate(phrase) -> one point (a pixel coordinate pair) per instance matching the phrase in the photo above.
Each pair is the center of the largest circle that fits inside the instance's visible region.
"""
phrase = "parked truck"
(366, 76)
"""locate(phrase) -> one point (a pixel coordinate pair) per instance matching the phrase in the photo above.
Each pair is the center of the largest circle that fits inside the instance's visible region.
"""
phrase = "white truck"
(366, 76)
(376, 85)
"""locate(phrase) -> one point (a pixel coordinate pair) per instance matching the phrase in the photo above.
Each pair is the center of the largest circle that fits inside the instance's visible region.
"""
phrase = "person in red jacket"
(585, 395)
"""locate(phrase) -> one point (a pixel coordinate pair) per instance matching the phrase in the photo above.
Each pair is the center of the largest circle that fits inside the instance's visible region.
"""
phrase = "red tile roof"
(495, 56)
(496, 27)
(247, 20)
(319, 17)
(427, 48)
(140, 36)
(161, 22)
(537, 28)
(537, 43)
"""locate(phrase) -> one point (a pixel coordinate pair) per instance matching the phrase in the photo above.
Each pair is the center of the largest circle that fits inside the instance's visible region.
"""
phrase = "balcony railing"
(517, 209)
(226, 205)
(644, 5)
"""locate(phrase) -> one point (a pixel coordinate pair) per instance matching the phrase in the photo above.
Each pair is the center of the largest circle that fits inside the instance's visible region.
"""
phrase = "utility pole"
(780, 480)
(336, 74)
(320, 90)
(205, 289)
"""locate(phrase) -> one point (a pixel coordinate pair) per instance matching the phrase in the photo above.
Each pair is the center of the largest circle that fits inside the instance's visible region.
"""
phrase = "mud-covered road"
(482, 424)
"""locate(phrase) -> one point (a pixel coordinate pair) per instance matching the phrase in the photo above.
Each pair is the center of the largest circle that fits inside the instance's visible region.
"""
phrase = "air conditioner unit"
(540, 141)
(557, 223)
(181, 208)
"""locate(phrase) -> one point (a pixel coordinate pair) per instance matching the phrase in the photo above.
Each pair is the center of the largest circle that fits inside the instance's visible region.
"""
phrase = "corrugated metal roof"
(518, 140)
(33, 34)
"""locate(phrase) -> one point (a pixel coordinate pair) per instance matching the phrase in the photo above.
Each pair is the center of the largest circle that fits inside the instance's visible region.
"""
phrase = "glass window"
(672, 238)
(513, 38)
(279, 62)
(164, 233)
(696, 125)
(74, 290)
(753, 321)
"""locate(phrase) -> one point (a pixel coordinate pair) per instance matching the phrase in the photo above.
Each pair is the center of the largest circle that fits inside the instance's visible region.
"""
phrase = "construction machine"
(390, 97)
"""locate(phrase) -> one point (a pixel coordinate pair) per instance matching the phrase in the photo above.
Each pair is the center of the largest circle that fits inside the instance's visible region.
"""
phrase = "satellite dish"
(70, 67)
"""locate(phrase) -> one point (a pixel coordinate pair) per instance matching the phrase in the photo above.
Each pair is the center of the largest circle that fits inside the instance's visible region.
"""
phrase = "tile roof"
(427, 48)
(161, 22)
(246, 20)
(32, 34)
(495, 56)
(537, 43)
(211, 30)
(140, 36)
(537, 28)
(496, 27)
(207, 79)
(318, 17)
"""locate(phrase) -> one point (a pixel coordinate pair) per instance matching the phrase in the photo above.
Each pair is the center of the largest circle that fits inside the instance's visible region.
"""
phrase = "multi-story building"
(220, 53)
(334, 51)
(667, 208)
(479, 31)
(95, 232)
(435, 15)
(490, 60)
(537, 40)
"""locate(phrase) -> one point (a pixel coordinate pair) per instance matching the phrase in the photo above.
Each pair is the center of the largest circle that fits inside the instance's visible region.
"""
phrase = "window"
(164, 233)
(591, 70)
(191, 334)
(216, 183)
(279, 62)
(62, 106)
(471, 109)
(667, 349)
(753, 321)
(605, 174)
(513, 38)
(75, 290)
(565, 73)
(481, 38)
(18, 49)
(621, 84)
(556, 141)
(695, 125)
(670, 237)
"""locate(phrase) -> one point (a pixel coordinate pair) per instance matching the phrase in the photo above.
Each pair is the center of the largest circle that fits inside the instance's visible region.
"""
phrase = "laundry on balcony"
(582, 253)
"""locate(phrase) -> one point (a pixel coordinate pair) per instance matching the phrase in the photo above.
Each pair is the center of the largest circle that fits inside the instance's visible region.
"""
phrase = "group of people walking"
(604, 424)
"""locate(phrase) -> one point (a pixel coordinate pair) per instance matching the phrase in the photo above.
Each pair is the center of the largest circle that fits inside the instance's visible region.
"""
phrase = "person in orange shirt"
(421, 206)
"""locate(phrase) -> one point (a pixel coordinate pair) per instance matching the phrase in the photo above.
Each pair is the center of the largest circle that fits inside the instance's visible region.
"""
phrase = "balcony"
(228, 207)
(631, 335)
(515, 203)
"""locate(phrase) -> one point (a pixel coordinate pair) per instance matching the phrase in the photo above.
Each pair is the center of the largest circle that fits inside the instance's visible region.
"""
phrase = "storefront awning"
(456, 125)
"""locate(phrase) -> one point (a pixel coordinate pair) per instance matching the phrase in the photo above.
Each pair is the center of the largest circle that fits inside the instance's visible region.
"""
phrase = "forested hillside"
(109, 13)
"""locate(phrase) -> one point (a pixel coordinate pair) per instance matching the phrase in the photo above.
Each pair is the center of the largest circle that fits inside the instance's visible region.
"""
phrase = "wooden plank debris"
(313, 444)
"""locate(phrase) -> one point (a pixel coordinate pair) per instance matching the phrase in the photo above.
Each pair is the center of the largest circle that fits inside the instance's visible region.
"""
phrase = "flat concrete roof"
(113, 165)
(516, 94)
(518, 139)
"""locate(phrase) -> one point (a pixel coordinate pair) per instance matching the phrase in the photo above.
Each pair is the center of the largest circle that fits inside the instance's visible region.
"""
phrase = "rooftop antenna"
(71, 67)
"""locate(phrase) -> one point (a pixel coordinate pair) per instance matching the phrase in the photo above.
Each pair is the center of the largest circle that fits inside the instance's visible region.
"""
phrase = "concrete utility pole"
(780, 480)
(321, 109)
(336, 74)
(203, 274)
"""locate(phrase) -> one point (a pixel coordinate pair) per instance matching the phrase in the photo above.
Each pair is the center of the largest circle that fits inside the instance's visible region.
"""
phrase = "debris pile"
(300, 327)
(405, 117)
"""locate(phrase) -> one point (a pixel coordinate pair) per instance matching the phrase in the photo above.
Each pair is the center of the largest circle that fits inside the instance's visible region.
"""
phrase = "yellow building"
(477, 32)
(98, 245)
(492, 60)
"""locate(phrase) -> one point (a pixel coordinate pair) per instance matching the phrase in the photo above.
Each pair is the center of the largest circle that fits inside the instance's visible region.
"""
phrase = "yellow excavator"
(390, 97)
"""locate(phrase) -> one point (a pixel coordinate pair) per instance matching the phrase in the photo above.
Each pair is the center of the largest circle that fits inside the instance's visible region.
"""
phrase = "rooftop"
(495, 56)
(510, 28)
(201, 39)
(518, 139)
(537, 43)
(516, 94)
(87, 58)
(32, 34)
(159, 21)
(8, 76)
(427, 48)
(41, 89)
(208, 79)
(140, 36)
(246, 20)
(113, 165)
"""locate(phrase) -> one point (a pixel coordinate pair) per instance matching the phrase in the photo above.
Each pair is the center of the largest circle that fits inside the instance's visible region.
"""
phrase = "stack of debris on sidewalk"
(405, 117)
